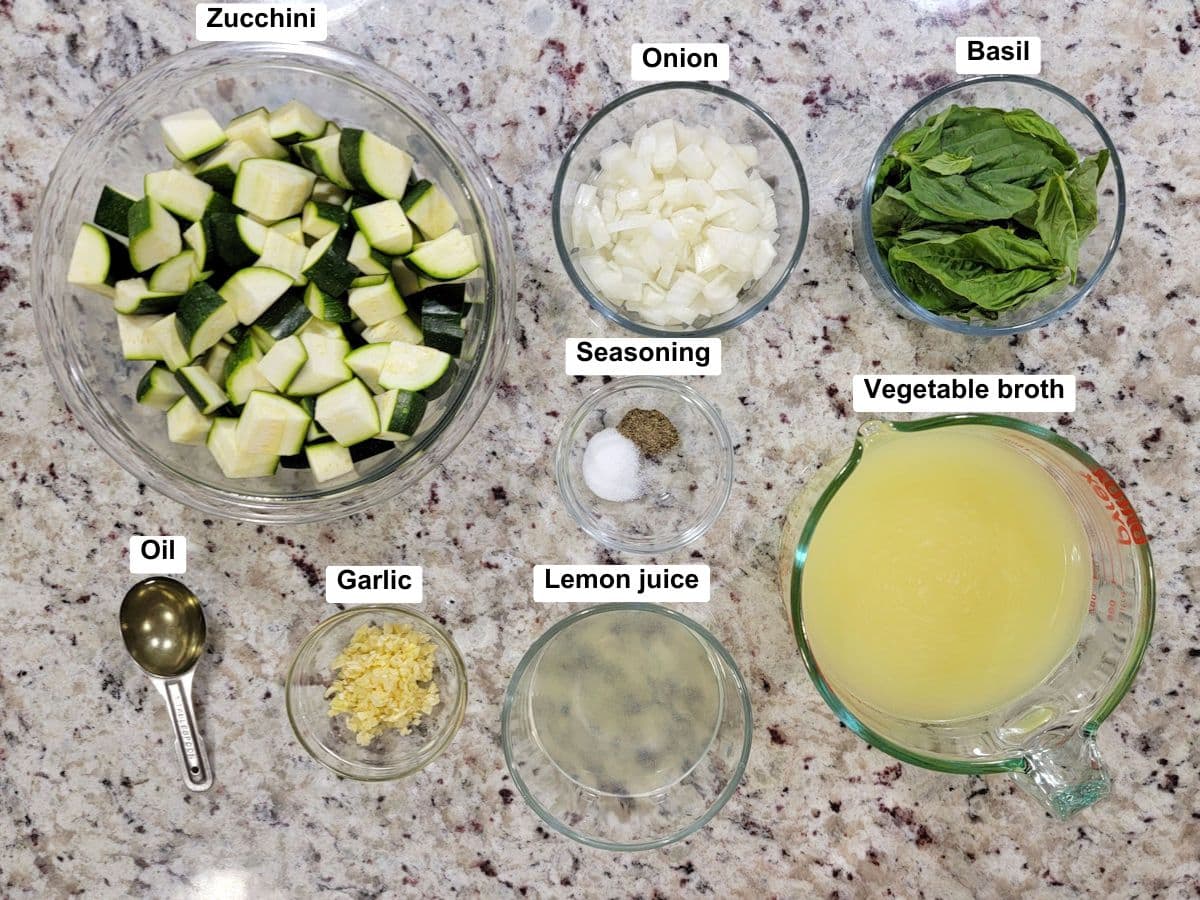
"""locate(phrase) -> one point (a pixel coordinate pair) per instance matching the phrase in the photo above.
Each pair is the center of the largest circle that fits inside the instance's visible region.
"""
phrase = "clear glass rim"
(422, 454)
(709, 641)
(436, 748)
(601, 305)
(578, 508)
(975, 328)
(1017, 762)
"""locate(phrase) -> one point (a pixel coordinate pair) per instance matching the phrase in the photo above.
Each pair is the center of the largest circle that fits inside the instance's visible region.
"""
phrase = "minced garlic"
(384, 680)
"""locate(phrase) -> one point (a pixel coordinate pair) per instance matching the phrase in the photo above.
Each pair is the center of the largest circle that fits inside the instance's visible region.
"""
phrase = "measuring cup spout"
(1067, 776)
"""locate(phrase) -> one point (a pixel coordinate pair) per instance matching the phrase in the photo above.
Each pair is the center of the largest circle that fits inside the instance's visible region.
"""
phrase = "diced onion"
(676, 224)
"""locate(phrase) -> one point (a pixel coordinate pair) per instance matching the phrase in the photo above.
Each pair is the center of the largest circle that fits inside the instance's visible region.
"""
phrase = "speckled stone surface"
(89, 799)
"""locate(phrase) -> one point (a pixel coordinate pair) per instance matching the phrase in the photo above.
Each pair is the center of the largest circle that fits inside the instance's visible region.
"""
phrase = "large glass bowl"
(391, 755)
(120, 141)
(1085, 133)
(741, 122)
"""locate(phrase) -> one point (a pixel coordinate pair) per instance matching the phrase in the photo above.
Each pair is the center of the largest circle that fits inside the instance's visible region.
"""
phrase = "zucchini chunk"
(253, 291)
(202, 318)
(412, 367)
(158, 388)
(272, 189)
(427, 208)
(232, 459)
(186, 424)
(348, 413)
(154, 235)
(385, 227)
(328, 460)
(189, 134)
(97, 261)
(400, 413)
(450, 256)
(112, 211)
(372, 164)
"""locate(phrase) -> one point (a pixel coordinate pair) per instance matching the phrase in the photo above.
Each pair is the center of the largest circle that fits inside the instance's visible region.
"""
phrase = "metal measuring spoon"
(163, 626)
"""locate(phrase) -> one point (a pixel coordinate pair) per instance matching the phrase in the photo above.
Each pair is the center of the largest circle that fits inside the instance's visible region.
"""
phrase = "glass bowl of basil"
(994, 205)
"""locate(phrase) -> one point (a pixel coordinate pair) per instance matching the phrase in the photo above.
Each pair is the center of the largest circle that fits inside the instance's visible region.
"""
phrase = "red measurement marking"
(1108, 492)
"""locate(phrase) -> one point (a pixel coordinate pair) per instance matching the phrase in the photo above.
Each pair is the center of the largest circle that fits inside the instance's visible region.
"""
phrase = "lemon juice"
(947, 577)
(626, 702)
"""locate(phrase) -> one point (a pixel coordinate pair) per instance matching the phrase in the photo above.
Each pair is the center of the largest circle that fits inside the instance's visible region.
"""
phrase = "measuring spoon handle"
(189, 744)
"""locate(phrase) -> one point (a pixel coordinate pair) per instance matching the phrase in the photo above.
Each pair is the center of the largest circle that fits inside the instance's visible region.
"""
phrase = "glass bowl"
(120, 141)
(694, 104)
(391, 755)
(626, 757)
(1085, 133)
(685, 488)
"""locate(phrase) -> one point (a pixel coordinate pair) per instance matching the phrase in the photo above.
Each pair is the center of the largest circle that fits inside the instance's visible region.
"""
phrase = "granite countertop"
(90, 802)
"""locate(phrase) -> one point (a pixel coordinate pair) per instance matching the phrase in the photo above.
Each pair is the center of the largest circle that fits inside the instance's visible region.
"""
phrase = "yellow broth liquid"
(625, 702)
(947, 577)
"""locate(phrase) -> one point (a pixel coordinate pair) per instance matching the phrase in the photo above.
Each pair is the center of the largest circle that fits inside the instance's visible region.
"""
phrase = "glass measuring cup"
(1045, 739)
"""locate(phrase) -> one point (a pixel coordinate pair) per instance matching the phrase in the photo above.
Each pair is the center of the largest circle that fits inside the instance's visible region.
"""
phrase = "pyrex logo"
(1108, 492)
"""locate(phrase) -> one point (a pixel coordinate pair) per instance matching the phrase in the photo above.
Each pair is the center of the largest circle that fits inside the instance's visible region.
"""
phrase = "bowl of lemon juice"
(972, 594)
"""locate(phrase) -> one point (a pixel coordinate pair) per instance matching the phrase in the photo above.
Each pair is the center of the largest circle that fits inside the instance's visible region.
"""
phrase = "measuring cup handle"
(1067, 776)
(189, 744)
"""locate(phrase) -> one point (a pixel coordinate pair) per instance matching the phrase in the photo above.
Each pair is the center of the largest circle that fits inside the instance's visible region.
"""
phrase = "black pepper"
(650, 429)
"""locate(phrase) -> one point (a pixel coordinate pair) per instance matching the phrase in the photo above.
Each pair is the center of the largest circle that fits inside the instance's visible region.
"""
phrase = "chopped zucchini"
(326, 264)
(286, 317)
(272, 424)
(177, 274)
(348, 413)
(253, 290)
(112, 211)
(186, 424)
(196, 237)
(427, 208)
(366, 258)
(412, 367)
(154, 235)
(158, 388)
(400, 413)
(328, 460)
(239, 239)
(450, 256)
(254, 128)
(372, 164)
(272, 189)
(292, 229)
(96, 261)
(367, 362)
(203, 317)
(284, 255)
(200, 386)
(294, 122)
(136, 341)
(179, 192)
(385, 227)
(282, 363)
(326, 307)
(319, 219)
(233, 460)
(376, 303)
(444, 334)
(134, 298)
(400, 328)
(168, 345)
(325, 366)
(189, 134)
(214, 362)
(321, 156)
(242, 373)
(221, 168)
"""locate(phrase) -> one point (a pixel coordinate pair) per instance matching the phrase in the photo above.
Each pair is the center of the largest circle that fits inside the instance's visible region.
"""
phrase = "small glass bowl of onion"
(680, 209)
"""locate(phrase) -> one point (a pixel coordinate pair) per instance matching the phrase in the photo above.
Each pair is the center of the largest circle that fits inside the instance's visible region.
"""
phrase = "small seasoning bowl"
(686, 487)
(391, 755)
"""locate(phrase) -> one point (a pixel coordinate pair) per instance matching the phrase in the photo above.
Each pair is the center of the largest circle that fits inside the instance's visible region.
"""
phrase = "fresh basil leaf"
(957, 199)
(922, 142)
(954, 265)
(925, 290)
(897, 211)
(948, 164)
(1056, 223)
(1082, 185)
(1027, 121)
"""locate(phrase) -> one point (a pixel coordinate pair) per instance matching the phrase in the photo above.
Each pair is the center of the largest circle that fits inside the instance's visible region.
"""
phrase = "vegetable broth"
(947, 577)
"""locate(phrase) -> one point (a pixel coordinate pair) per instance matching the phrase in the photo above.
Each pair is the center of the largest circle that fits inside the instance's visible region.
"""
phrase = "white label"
(643, 356)
(373, 584)
(964, 393)
(261, 22)
(620, 584)
(153, 555)
(978, 55)
(679, 62)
